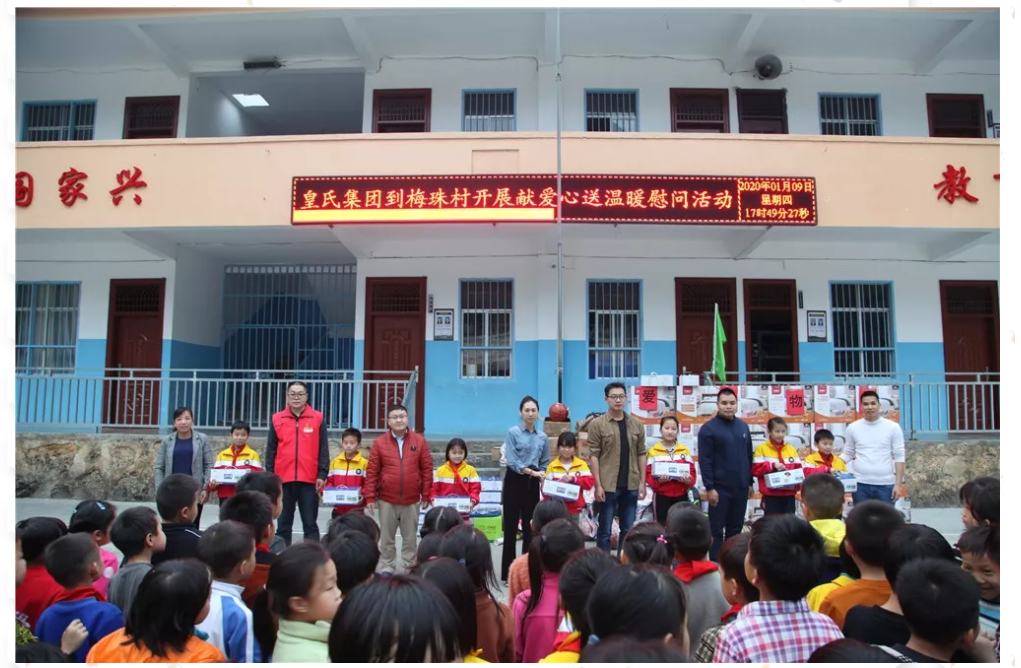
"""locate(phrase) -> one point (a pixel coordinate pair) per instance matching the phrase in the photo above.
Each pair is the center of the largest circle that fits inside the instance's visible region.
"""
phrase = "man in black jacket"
(725, 462)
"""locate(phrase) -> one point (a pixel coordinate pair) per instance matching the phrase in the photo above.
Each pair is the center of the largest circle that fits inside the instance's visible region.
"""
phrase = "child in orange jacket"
(571, 469)
(776, 455)
(457, 478)
(238, 457)
(824, 461)
(669, 491)
(348, 470)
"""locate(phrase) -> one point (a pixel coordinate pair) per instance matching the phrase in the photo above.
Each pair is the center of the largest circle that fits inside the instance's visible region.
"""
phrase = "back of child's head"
(847, 650)
(399, 619)
(268, 483)
(71, 559)
(940, 602)
(352, 433)
(546, 511)
(440, 519)
(453, 581)
(567, 439)
(252, 509)
(36, 534)
(822, 435)
(787, 555)
(225, 545)
(577, 578)
(646, 543)
(689, 532)
(131, 529)
(548, 553)
(167, 606)
(457, 443)
(628, 650)
(356, 557)
(869, 526)
(92, 515)
(824, 496)
(468, 545)
(731, 559)
(910, 542)
(428, 548)
(622, 599)
(177, 492)
(847, 564)
(352, 522)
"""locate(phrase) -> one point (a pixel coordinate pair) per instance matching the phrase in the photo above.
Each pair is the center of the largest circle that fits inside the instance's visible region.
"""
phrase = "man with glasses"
(617, 444)
(298, 450)
(400, 479)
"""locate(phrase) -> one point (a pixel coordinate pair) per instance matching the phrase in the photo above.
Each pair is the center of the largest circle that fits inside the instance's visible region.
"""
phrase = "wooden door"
(696, 298)
(771, 330)
(131, 398)
(971, 353)
(394, 341)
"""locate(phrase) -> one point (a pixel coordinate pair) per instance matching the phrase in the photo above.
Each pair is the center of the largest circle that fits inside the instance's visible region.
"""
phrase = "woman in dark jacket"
(185, 451)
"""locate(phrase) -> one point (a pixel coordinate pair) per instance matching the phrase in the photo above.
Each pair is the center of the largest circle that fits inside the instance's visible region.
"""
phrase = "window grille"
(863, 345)
(401, 110)
(46, 324)
(614, 324)
(956, 115)
(762, 111)
(59, 121)
(489, 111)
(611, 111)
(487, 321)
(151, 117)
(852, 115)
(700, 110)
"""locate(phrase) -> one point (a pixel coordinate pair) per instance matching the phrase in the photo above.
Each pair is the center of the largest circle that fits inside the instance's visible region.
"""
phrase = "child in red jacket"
(239, 459)
(776, 455)
(456, 478)
(347, 470)
(571, 469)
(669, 490)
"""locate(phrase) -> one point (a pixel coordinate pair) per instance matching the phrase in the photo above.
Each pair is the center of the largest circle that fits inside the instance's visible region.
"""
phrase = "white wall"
(213, 114)
(902, 96)
(109, 89)
(198, 298)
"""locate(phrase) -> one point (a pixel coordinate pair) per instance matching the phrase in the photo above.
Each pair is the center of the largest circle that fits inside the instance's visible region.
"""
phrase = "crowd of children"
(866, 588)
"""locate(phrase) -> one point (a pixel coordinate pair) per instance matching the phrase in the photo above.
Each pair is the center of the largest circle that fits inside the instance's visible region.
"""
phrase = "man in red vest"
(400, 479)
(298, 451)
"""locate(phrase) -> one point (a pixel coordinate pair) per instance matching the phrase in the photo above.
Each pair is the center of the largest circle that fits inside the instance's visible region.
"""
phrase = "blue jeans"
(624, 501)
(868, 492)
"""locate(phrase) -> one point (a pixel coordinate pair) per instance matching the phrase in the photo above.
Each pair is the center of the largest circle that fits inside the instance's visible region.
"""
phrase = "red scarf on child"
(81, 594)
(690, 570)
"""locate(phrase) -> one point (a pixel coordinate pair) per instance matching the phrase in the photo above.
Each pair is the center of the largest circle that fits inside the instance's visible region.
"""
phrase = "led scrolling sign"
(598, 198)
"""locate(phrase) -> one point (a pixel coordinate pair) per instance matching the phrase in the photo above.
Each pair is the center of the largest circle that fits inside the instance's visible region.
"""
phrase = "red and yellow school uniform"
(765, 456)
(817, 462)
(679, 455)
(246, 459)
(461, 480)
(582, 477)
(349, 473)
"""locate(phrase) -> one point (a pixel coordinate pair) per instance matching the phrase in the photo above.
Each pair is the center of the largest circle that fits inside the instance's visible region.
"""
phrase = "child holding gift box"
(457, 477)
(772, 456)
(669, 490)
(571, 469)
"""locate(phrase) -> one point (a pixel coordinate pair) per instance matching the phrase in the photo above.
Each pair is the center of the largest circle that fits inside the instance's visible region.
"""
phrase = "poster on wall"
(817, 326)
(443, 324)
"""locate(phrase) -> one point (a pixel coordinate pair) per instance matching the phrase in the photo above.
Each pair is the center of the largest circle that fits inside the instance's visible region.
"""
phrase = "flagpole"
(560, 221)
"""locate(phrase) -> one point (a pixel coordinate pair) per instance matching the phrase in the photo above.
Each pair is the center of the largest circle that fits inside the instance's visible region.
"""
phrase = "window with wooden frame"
(151, 117)
(762, 112)
(401, 110)
(58, 121)
(487, 327)
(956, 115)
(700, 110)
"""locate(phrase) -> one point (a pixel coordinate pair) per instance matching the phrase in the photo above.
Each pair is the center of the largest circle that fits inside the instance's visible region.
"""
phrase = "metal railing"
(930, 403)
(145, 399)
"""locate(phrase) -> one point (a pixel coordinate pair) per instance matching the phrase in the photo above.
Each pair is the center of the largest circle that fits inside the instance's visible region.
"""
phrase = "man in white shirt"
(874, 451)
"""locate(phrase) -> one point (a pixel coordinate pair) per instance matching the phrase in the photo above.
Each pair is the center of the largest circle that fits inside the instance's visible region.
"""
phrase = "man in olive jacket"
(617, 444)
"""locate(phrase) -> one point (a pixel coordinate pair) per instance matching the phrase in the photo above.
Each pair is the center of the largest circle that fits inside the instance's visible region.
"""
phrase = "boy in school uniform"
(348, 470)
(823, 460)
(690, 535)
(177, 501)
(138, 534)
(238, 457)
(75, 563)
(570, 468)
(822, 503)
(785, 559)
(254, 510)
(772, 456)
(228, 548)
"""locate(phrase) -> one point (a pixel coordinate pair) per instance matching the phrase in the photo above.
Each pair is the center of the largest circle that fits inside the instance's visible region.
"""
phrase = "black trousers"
(778, 505)
(520, 496)
(198, 516)
(726, 518)
(663, 504)
(304, 495)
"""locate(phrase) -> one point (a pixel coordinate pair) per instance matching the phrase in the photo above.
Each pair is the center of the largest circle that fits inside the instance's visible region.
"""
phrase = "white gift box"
(491, 497)
(561, 490)
(671, 469)
(342, 496)
(492, 484)
(227, 476)
(781, 479)
(850, 482)
(461, 504)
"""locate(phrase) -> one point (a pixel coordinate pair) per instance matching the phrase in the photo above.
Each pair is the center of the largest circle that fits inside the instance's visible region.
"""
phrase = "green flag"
(719, 338)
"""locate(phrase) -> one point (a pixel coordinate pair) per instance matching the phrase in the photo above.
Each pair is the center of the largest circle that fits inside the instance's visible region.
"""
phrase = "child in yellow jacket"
(571, 469)
(348, 470)
(824, 461)
(776, 455)
(669, 491)
(457, 477)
